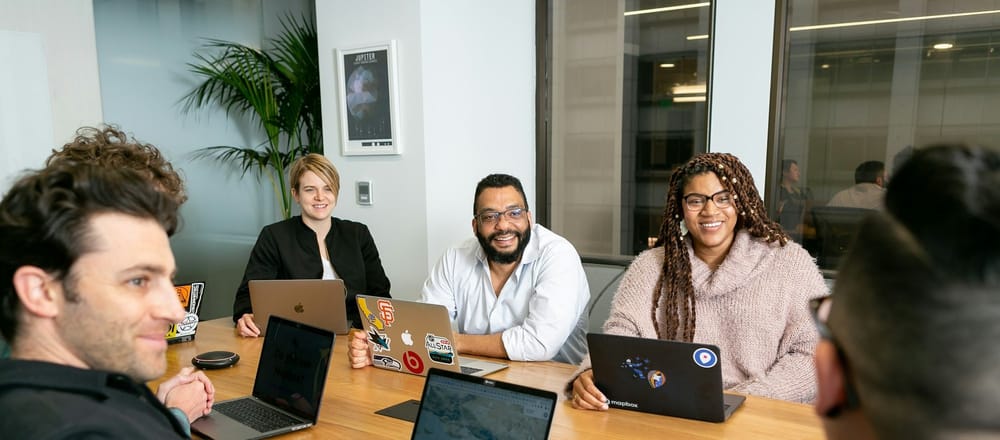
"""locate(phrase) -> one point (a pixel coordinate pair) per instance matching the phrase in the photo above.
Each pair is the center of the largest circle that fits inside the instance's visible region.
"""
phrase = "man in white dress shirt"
(516, 291)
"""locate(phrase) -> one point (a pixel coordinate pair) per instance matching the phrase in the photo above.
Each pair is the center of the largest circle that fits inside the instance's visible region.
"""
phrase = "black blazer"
(288, 250)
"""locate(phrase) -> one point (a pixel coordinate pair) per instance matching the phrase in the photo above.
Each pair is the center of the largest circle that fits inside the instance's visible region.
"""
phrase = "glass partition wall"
(628, 84)
(863, 84)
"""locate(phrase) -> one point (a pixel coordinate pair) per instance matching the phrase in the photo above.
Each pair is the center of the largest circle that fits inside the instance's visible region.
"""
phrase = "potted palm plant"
(278, 89)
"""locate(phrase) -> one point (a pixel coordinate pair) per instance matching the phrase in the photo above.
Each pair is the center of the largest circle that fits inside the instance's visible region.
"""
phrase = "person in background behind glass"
(793, 203)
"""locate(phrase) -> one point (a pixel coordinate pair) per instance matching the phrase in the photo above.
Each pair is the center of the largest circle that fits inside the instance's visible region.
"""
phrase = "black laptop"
(456, 405)
(671, 378)
(288, 389)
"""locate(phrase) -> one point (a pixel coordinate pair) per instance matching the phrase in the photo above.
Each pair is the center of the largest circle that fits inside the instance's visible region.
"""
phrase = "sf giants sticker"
(705, 358)
(380, 342)
(386, 312)
(413, 362)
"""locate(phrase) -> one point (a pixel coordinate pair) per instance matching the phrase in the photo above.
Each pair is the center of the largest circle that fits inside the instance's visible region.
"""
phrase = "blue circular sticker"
(705, 358)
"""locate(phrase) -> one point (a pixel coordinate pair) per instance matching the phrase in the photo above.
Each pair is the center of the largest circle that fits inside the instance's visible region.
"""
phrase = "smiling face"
(121, 298)
(315, 196)
(712, 229)
(505, 240)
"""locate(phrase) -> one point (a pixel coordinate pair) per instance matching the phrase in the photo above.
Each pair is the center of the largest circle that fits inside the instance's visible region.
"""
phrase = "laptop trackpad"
(402, 411)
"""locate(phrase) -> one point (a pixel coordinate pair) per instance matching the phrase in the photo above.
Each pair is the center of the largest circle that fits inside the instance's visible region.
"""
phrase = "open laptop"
(456, 405)
(671, 378)
(288, 388)
(319, 303)
(412, 337)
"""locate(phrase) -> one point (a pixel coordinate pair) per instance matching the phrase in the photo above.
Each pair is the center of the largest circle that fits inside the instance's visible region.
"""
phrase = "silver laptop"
(460, 406)
(319, 303)
(288, 388)
(672, 378)
(412, 337)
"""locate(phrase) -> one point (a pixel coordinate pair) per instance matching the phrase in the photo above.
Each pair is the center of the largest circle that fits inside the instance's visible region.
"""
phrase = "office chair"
(835, 230)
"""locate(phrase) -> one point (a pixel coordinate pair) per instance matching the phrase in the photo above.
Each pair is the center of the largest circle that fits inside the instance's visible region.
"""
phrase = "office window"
(867, 82)
(627, 103)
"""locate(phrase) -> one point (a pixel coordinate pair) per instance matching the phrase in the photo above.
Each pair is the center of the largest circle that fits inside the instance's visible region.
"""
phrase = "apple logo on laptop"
(406, 337)
(299, 308)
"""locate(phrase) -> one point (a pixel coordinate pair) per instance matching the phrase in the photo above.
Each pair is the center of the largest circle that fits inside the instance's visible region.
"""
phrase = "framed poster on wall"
(369, 100)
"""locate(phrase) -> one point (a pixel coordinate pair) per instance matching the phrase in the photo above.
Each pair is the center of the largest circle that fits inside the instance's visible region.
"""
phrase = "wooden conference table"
(352, 397)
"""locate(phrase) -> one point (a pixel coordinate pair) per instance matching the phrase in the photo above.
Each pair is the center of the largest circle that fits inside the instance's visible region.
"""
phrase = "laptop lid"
(190, 296)
(291, 376)
(457, 405)
(671, 378)
(319, 303)
(413, 337)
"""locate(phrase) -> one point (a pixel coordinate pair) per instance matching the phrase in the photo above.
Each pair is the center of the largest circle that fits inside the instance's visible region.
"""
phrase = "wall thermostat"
(365, 192)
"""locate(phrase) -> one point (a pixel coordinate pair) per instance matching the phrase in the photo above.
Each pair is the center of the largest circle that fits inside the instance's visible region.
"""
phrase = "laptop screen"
(293, 366)
(460, 406)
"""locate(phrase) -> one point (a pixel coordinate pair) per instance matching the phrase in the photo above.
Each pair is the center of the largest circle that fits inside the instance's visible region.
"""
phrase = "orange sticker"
(183, 294)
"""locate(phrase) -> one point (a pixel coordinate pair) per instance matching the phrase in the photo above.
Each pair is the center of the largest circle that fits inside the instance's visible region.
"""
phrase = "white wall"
(742, 44)
(466, 90)
(48, 82)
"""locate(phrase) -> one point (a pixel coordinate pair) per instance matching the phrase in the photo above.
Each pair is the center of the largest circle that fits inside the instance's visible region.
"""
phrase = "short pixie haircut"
(318, 164)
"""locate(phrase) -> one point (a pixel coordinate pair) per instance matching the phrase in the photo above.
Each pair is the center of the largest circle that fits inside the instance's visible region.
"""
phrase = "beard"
(523, 237)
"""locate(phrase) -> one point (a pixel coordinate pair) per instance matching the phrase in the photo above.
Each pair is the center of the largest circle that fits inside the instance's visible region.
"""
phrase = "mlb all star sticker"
(705, 358)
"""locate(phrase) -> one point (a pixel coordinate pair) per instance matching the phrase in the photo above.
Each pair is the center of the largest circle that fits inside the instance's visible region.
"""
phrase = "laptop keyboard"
(470, 370)
(255, 415)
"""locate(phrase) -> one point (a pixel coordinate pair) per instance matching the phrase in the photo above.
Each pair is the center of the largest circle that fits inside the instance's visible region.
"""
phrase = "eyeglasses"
(696, 202)
(820, 308)
(492, 217)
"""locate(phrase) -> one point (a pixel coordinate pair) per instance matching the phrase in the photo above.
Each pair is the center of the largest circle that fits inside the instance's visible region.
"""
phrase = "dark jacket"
(41, 400)
(288, 250)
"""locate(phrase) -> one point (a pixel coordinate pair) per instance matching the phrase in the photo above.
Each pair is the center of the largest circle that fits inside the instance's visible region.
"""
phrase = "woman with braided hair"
(721, 273)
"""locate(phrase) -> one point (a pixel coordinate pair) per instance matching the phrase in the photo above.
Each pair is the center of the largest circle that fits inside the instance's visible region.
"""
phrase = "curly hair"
(675, 288)
(45, 220)
(109, 146)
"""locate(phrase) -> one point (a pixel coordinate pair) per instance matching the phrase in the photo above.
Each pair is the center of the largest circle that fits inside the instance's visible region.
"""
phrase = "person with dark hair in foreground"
(87, 302)
(516, 291)
(721, 273)
(908, 334)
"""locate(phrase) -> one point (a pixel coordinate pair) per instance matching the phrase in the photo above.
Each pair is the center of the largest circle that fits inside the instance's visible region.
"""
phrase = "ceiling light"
(689, 90)
(667, 65)
(695, 98)
(697, 37)
(667, 9)
(824, 66)
(889, 20)
(943, 46)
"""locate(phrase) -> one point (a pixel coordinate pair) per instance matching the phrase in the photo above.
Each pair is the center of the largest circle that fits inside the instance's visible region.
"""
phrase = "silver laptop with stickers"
(412, 337)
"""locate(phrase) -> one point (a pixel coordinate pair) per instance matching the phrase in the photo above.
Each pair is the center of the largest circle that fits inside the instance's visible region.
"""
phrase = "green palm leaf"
(278, 90)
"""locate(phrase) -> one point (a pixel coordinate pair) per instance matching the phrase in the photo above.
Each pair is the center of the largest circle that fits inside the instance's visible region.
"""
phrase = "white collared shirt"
(541, 310)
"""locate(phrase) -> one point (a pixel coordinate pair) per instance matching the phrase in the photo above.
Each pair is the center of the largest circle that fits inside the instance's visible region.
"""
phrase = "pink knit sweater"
(754, 307)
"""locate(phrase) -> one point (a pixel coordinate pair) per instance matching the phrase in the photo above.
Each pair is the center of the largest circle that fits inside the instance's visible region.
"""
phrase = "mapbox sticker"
(705, 358)
(413, 362)
(439, 349)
